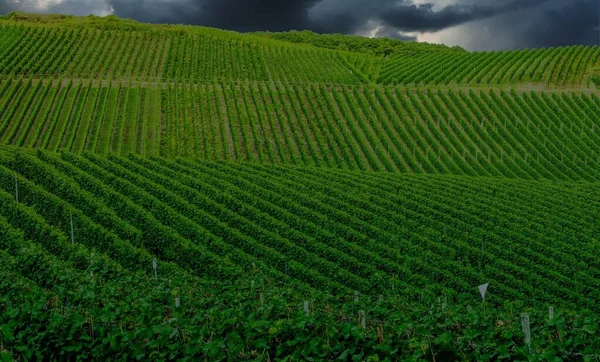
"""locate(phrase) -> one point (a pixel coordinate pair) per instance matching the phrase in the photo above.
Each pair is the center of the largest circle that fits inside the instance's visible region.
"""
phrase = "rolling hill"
(185, 192)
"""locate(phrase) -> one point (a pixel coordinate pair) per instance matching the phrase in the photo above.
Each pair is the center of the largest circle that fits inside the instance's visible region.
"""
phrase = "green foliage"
(552, 67)
(359, 44)
(332, 229)
(155, 54)
(110, 22)
(251, 320)
(487, 133)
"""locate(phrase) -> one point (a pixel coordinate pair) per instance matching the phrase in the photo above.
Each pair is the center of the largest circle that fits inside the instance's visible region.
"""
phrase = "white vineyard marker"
(155, 267)
(526, 327)
(363, 319)
(483, 290)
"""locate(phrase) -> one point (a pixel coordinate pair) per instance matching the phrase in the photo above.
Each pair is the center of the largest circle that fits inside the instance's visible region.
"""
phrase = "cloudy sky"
(472, 24)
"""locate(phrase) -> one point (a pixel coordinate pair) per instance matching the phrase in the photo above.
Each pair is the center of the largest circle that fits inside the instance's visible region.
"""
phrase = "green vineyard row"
(199, 56)
(70, 309)
(58, 309)
(334, 230)
(562, 66)
(529, 135)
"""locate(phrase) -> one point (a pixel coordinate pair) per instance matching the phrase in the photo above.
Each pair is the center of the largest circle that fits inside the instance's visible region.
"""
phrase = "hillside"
(359, 44)
(553, 67)
(179, 192)
(483, 132)
(335, 230)
(85, 222)
(114, 49)
(171, 54)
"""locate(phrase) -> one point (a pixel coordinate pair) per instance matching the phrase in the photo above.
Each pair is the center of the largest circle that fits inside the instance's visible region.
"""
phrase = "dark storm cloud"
(6, 6)
(73, 7)
(555, 23)
(173, 12)
(481, 24)
(411, 17)
(561, 24)
(240, 15)
(340, 16)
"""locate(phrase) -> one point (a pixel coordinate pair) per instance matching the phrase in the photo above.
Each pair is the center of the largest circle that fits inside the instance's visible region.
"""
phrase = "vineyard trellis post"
(155, 267)
(526, 327)
(363, 319)
(72, 230)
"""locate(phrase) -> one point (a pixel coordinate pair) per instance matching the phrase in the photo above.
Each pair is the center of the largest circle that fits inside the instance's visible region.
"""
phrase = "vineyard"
(104, 219)
(486, 132)
(551, 67)
(201, 55)
(155, 56)
(188, 193)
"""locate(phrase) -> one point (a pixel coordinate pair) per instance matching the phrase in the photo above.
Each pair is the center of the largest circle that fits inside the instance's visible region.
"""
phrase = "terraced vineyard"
(172, 192)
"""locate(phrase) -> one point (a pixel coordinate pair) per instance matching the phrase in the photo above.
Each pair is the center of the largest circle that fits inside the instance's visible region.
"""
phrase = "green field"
(302, 197)
(476, 132)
